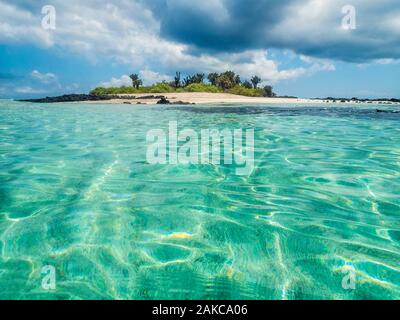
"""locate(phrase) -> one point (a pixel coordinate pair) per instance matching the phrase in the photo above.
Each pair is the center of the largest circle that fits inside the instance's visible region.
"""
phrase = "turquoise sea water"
(77, 193)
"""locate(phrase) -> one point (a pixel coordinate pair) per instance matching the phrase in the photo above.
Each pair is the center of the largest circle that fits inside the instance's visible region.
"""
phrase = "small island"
(217, 88)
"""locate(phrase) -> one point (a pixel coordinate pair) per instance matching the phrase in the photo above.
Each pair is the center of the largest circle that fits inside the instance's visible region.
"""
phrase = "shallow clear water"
(77, 193)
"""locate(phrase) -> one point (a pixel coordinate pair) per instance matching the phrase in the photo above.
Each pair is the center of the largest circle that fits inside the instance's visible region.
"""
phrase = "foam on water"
(77, 193)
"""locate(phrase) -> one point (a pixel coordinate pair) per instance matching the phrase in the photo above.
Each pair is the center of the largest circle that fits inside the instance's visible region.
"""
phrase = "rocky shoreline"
(71, 98)
(192, 98)
(90, 97)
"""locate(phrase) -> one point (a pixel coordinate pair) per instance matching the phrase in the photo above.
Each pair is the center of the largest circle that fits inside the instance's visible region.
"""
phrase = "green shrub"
(242, 91)
(161, 87)
(156, 88)
(164, 87)
(98, 91)
(201, 87)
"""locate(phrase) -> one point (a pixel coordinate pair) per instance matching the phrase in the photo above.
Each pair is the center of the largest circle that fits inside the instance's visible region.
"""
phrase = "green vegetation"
(200, 87)
(227, 81)
(247, 84)
(161, 87)
(255, 81)
(243, 91)
(136, 82)
(197, 78)
(268, 91)
(212, 77)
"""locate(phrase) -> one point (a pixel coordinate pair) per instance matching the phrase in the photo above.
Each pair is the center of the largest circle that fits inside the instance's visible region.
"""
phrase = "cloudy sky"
(298, 46)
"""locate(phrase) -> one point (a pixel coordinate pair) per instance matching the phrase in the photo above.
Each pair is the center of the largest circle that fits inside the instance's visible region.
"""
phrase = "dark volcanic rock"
(69, 98)
(77, 98)
(181, 103)
(163, 100)
(90, 97)
(387, 111)
(151, 97)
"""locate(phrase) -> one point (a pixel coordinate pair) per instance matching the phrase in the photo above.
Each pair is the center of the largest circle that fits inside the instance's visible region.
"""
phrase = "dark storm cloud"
(304, 26)
(204, 25)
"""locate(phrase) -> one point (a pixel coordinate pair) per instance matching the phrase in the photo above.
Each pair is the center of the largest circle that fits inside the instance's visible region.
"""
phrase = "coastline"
(200, 98)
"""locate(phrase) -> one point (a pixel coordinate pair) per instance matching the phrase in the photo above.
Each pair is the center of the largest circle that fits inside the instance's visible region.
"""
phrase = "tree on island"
(255, 81)
(197, 78)
(227, 80)
(238, 81)
(268, 92)
(247, 84)
(224, 82)
(136, 82)
(177, 80)
(212, 77)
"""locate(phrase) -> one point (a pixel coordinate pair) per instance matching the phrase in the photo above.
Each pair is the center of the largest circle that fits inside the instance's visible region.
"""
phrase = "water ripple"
(76, 193)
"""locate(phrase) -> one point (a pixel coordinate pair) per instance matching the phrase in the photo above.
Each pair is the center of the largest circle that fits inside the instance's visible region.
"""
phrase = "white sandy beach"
(211, 98)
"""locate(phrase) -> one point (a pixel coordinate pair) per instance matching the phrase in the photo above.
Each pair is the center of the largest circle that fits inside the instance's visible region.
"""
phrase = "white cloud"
(147, 76)
(28, 90)
(150, 77)
(123, 81)
(72, 87)
(21, 26)
(246, 64)
(130, 34)
(35, 82)
(387, 61)
(45, 78)
(318, 64)
(315, 26)
(265, 68)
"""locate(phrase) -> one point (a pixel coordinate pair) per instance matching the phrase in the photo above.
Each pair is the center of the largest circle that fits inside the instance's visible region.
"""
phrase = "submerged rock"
(181, 103)
(387, 111)
(163, 100)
